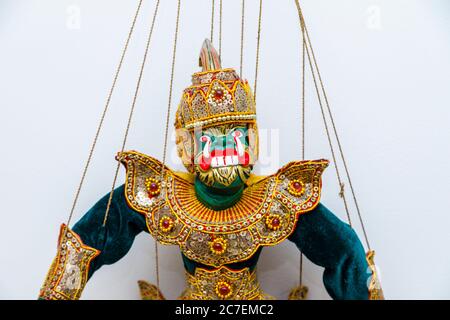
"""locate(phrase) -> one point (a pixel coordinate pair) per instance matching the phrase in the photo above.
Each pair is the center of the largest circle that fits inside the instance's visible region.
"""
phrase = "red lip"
(224, 153)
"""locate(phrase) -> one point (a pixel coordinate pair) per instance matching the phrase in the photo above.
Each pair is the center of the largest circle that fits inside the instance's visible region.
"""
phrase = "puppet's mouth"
(222, 158)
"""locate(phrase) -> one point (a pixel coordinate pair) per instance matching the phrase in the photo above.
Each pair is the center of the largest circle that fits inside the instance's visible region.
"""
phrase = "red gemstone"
(224, 290)
(166, 224)
(217, 246)
(153, 186)
(275, 222)
(218, 94)
(297, 185)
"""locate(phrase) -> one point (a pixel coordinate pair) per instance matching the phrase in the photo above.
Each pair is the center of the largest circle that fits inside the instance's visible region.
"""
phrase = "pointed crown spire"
(209, 59)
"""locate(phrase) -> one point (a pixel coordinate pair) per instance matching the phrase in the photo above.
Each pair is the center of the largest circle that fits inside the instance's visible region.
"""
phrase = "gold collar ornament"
(266, 214)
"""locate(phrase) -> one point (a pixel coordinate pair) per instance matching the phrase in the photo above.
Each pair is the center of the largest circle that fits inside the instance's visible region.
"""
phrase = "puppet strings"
(317, 75)
(166, 131)
(258, 41)
(105, 110)
(133, 105)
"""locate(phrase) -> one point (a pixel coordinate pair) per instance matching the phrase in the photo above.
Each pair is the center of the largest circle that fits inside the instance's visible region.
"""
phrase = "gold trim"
(201, 73)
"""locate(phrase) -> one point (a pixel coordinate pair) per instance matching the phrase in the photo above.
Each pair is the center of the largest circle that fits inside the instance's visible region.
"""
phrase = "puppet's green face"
(223, 154)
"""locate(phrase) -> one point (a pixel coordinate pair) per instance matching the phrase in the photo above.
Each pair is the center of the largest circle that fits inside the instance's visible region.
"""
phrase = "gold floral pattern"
(152, 186)
(296, 187)
(273, 221)
(166, 224)
(218, 246)
(223, 290)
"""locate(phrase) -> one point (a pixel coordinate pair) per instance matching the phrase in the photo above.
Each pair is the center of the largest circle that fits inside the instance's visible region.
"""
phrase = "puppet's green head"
(223, 155)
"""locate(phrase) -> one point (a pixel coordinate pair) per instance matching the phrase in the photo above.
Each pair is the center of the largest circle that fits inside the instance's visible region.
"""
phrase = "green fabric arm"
(334, 245)
(114, 239)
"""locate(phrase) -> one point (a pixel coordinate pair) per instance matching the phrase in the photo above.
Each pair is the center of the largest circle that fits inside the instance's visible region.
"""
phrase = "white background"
(385, 65)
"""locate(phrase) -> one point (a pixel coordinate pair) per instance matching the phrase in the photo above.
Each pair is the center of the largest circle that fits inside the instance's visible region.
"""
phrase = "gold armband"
(68, 273)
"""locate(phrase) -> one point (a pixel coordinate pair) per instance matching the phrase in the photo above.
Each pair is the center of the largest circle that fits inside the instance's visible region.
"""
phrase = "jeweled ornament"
(223, 290)
(218, 94)
(153, 186)
(273, 221)
(166, 224)
(296, 187)
(218, 246)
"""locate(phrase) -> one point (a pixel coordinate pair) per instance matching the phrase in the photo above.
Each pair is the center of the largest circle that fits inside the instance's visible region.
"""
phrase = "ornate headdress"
(216, 96)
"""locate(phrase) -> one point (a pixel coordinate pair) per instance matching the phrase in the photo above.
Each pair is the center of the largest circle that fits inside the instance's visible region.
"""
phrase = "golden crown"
(216, 96)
